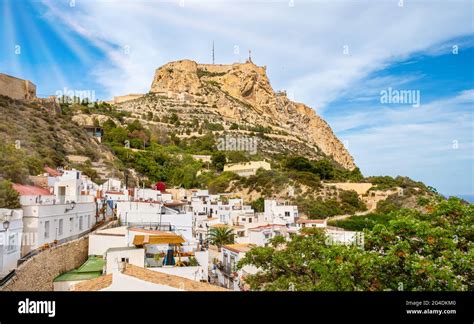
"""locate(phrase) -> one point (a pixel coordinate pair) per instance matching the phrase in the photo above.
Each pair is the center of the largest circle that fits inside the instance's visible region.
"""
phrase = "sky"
(346, 59)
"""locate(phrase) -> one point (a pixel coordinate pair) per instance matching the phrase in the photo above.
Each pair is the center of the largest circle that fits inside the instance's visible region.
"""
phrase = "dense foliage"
(220, 236)
(413, 252)
(387, 182)
(324, 169)
(9, 198)
(347, 203)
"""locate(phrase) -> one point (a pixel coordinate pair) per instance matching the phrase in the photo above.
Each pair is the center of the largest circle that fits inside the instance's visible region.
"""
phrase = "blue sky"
(335, 56)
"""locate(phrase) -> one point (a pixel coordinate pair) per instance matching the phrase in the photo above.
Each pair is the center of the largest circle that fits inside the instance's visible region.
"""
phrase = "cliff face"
(242, 94)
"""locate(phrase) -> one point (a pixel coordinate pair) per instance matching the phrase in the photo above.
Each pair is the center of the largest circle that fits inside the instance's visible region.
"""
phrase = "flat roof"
(268, 226)
(150, 231)
(140, 240)
(125, 248)
(93, 263)
(242, 247)
(121, 230)
(90, 269)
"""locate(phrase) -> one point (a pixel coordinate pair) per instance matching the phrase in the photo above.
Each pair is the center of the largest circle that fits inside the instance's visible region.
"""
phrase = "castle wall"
(215, 68)
(120, 99)
(17, 88)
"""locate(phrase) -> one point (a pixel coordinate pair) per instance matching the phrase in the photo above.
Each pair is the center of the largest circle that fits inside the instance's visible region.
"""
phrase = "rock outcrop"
(239, 93)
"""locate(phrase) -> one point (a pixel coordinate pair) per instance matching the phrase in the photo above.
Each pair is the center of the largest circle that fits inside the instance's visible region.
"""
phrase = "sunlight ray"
(38, 41)
(10, 40)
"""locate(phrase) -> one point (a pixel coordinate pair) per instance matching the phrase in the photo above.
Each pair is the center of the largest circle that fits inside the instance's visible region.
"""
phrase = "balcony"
(227, 269)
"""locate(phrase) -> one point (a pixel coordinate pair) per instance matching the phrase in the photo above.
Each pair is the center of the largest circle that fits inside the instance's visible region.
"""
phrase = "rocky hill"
(37, 132)
(240, 98)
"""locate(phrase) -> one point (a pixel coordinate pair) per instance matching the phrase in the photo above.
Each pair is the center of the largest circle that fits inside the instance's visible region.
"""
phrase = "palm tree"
(220, 236)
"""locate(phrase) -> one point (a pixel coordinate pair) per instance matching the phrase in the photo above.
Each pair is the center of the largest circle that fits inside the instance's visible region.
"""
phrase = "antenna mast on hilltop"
(213, 53)
(250, 55)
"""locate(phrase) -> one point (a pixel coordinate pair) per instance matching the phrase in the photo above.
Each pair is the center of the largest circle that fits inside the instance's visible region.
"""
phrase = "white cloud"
(428, 143)
(301, 45)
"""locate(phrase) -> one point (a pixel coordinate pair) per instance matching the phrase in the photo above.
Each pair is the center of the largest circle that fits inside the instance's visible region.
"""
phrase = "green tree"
(412, 252)
(116, 135)
(13, 164)
(258, 205)
(325, 169)
(234, 126)
(218, 160)
(220, 236)
(237, 157)
(299, 163)
(109, 124)
(9, 198)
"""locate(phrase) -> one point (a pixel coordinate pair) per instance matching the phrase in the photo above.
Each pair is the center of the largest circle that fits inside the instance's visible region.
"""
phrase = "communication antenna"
(250, 55)
(213, 53)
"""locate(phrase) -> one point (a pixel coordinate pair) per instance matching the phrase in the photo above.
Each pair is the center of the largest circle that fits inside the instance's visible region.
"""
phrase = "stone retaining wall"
(38, 272)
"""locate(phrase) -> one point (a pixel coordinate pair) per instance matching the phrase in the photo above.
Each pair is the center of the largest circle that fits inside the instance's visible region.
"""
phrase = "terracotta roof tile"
(169, 280)
(52, 172)
(243, 247)
(26, 190)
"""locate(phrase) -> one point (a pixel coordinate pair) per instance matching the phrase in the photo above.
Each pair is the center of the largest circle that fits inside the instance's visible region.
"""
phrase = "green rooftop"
(90, 269)
(92, 264)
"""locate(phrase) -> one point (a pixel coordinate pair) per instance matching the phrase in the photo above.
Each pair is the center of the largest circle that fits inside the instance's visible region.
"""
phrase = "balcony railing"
(227, 269)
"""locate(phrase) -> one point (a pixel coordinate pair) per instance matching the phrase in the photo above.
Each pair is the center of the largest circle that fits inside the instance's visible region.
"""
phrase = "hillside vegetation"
(35, 134)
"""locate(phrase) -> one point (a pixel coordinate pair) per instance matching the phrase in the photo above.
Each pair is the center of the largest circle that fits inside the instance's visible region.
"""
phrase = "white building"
(11, 229)
(102, 240)
(223, 207)
(228, 274)
(112, 184)
(55, 217)
(311, 223)
(280, 210)
(145, 194)
(261, 235)
(115, 257)
(168, 216)
(114, 196)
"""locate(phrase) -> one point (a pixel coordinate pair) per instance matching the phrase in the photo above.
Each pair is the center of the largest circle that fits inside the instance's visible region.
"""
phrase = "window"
(80, 223)
(12, 243)
(225, 258)
(46, 229)
(71, 224)
(250, 220)
(287, 214)
(60, 227)
(88, 221)
(244, 219)
(126, 260)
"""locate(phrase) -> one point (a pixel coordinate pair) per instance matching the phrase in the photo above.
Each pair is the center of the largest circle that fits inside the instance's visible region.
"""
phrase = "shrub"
(9, 198)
